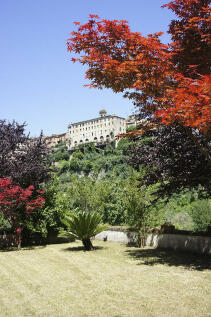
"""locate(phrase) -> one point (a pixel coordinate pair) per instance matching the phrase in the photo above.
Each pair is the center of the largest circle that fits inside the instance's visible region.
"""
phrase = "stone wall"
(177, 242)
(126, 237)
(195, 244)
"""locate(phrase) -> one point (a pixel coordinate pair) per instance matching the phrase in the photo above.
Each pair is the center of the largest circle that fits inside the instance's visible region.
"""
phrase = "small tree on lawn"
(17, 204)
(83, 226)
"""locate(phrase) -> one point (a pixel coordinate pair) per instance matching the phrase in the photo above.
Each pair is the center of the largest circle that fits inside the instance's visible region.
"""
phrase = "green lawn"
(112, 281)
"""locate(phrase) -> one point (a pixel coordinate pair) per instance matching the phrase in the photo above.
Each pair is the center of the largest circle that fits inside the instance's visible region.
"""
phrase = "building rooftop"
(98, 118)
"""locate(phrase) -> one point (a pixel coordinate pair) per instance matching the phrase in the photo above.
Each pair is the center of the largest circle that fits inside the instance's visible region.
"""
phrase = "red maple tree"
(17, 204)
(169, 82)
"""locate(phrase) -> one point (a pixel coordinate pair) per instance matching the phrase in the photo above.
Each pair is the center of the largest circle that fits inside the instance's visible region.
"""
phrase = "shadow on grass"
(81, 248)
(34, 247)
(172, 258)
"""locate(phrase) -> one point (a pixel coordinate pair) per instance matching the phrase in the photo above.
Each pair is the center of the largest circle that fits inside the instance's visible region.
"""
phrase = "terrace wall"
(177, 242)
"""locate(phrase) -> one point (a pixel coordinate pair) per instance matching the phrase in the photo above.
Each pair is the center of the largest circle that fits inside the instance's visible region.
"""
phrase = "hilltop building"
(98, 130)
(55, 139)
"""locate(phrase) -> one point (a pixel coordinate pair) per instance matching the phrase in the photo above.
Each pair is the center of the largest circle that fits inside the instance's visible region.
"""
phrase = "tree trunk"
(87, 244)
(19, 242)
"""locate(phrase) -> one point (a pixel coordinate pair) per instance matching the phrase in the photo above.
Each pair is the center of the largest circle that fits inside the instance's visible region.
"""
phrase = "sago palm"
(83, 226)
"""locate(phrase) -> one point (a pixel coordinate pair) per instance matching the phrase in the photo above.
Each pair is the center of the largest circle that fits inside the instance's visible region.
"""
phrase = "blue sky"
(38, 83)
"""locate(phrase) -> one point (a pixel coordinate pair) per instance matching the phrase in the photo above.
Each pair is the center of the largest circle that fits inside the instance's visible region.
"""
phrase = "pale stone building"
(98, 130)
(135, 121)
(55, 139)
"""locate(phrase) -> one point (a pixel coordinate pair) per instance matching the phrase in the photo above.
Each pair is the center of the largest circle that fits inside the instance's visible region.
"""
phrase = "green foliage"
(63, 166)
(83, 226)
(109, 200)
(59, 153)
(61, 144)
(87, 167)
(75, 165)
(78, 155)
(201, 214)
(57, 205)
(58, 156)
(99, 179)
(142, 212)
(88, 160)
(177, 209)
(5, 226)
(131, 128)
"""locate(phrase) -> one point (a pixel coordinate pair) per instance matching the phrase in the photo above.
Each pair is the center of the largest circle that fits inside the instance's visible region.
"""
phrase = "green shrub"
(201, 214)
(87, 166)
(78, 155)
(5, 226)
(75, 165)
(83, 226)
(58, 156)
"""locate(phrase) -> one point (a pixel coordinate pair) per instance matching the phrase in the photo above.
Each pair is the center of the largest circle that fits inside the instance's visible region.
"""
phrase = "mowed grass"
(114, 280)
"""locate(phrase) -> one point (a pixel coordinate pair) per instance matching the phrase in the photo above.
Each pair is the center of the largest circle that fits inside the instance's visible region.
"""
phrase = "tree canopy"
(23, 159)
(148, 71)
(169, 83)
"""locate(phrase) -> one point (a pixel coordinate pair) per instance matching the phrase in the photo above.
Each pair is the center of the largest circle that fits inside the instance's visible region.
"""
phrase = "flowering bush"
(17, 204)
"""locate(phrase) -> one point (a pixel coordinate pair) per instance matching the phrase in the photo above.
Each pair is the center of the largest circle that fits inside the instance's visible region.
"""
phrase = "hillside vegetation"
(101, 179)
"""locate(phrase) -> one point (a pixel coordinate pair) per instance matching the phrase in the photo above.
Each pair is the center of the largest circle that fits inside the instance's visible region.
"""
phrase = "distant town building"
(97, 130)
(55, 139)
(134, 121)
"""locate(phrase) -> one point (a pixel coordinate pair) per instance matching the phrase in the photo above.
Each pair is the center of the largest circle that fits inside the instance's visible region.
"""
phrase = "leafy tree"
(56, 206)
(146, 70)
(59, 155)
(169, 83)
(201, 214)
(63, 166)
(172, 159)
(83, 226)
(142, 213)
(109, 200)
(190, 32)
(17, 204)
(23, 159)
(87, 166)
(131, 128)
(75, 165)
(78, 155)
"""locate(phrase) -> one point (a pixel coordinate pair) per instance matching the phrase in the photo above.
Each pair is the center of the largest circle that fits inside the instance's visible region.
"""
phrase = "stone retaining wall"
(177, 242)
(196, 244)
(126, 237)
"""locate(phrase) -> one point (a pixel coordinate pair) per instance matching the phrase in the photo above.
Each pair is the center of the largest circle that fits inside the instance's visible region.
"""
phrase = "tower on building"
(102, 113)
